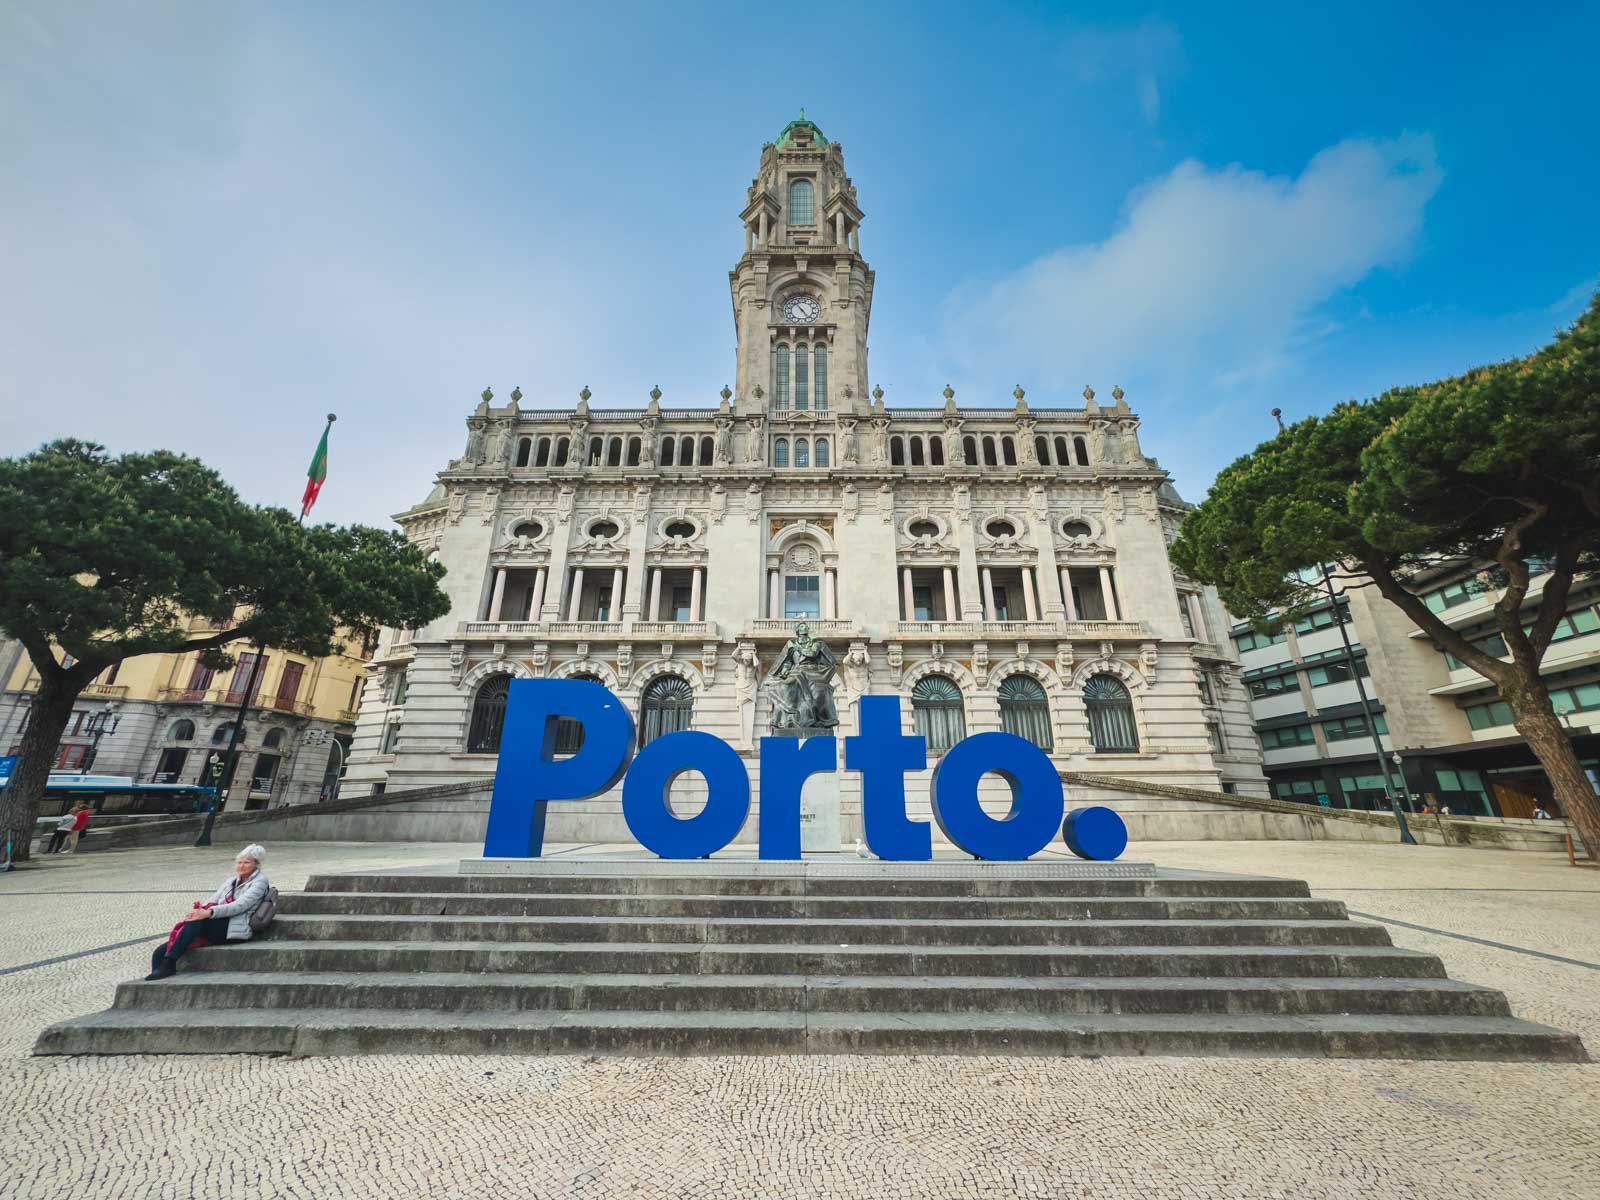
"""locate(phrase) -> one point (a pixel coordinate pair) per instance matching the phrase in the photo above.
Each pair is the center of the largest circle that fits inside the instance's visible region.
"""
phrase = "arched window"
(1111, 725)
(1024, 710)
(969, 447)
(936, 712)
(989, 459)
(802, 452)
(802, 386)
(1063, 458)
(821, 457)
(667, 447)
(897, 451)
(686, 451)
(780, 452)
(561, 452)
(524, 451)
(666, 707)
(542, 459)
(181, 731)
(916, 452)
(936, 450)
(569, 733)
(635, 446)
(780, 385)
(597, 451)
(1082, 449)
(1008, 451)
(488, 715)
(614, 454)
(222, 733)
(819, 382)
(1041, 450)
(273, 740)
(706, 449)
(802, 210)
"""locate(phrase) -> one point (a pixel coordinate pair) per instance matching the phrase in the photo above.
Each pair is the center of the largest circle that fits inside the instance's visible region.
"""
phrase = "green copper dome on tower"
(786, 138)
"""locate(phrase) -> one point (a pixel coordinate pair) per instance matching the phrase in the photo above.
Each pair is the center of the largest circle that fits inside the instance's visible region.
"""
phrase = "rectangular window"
(922, 604)
(801, 597)
(1002, 610)
(802, 390)
(602, 605)
(1205, 689)
(1326, 618)
(1490, 715)
(402, 685)
(70, 758)
(241, 678)
(200, 678)
(1251, 640)
(1214, 736)
(780, 395)
(289, 685)
(680, 604)
(1183, 614)
(1260, 689)
(1336, 672)
(391, 734)
(819, 386)
(1292, 735)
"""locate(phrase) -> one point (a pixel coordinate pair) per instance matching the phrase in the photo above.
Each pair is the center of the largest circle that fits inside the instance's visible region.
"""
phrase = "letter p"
(529, 775)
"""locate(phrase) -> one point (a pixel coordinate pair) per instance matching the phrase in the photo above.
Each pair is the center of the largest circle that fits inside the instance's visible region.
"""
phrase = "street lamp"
(98, 726)
(321, 737)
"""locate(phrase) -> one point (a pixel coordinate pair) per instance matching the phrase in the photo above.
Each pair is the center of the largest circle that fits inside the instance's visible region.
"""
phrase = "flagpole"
(224, 783)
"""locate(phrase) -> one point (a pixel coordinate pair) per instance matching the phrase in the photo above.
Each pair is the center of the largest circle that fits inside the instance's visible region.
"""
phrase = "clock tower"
(802, 293)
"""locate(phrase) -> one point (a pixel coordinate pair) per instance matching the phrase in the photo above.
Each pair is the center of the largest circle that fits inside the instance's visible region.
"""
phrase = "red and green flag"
(316, 473)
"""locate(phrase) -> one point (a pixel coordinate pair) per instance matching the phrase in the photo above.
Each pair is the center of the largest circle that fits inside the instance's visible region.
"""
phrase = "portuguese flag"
(316, 472)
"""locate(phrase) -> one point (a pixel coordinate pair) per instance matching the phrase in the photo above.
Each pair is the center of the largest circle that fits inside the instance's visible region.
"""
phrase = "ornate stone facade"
(1003, 553)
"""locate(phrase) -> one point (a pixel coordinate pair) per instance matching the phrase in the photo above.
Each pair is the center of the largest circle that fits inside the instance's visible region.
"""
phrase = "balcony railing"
(822, 627)
(694, 630)
(1003, 629)
(106, 691)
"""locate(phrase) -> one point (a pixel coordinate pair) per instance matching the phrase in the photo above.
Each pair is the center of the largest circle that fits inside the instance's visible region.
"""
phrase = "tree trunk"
(1536, 720)
(47, 721)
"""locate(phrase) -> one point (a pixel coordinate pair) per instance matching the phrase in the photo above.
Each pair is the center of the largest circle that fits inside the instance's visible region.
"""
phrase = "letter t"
(883, 755)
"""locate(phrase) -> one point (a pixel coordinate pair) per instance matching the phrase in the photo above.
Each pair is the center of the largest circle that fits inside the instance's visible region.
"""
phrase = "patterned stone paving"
(805, 1127)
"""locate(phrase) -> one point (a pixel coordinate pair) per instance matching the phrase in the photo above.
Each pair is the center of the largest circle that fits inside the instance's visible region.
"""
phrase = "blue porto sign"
(530, 777)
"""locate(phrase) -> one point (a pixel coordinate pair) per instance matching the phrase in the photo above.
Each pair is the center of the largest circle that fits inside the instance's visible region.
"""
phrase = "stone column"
(763, 227)
(910, 599)
(696, 589)
(536, 609)
(1197, 614)
(616, 595)
(1030, 604)
(655, 595)
(950, 613)
(499, 593)
(1109, 598)
(1066, 593)
(576, 600)
(830, 596)
(774, 595)
(988, 596)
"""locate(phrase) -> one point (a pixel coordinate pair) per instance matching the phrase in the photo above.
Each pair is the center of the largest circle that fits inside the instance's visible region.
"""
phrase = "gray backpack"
(261, 915)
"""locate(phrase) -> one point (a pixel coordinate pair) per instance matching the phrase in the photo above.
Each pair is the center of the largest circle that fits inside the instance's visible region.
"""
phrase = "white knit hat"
(254, 850)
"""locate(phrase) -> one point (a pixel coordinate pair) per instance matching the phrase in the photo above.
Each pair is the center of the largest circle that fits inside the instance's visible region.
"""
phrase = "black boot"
(165, 969)
(156, 956)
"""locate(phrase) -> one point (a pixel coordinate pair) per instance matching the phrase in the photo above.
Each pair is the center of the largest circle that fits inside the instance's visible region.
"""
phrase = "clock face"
(801, 309)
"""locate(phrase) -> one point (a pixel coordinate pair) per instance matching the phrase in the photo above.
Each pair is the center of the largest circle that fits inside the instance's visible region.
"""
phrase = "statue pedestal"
(819, 802)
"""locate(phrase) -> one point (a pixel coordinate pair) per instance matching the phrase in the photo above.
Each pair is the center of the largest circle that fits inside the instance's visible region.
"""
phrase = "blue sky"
(219, 222)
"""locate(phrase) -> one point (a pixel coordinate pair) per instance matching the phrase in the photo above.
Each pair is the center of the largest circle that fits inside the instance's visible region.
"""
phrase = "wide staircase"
(972, 963)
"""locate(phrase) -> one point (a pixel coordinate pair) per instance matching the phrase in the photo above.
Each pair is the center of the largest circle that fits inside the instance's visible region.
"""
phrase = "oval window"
(679, 529)
(1076, 529)
(603, 529)
(1002, 529)
(528, 529)
(923, 529)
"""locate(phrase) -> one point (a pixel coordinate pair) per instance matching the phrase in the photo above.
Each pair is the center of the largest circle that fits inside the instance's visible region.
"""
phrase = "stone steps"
(372, 1031)
(747, 958)
(459, 992)
(808, 933)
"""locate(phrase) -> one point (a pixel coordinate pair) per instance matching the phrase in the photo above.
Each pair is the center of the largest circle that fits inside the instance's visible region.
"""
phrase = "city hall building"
(997, 566)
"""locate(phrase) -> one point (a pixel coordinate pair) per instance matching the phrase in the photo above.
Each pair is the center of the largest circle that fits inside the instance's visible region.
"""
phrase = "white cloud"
(1139, 57)
(1214, 277)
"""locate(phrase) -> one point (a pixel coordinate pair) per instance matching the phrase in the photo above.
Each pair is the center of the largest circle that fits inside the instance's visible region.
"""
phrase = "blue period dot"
(1095, 833)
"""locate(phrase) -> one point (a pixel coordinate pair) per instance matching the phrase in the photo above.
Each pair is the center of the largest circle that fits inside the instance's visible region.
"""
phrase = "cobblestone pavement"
(883, 1128)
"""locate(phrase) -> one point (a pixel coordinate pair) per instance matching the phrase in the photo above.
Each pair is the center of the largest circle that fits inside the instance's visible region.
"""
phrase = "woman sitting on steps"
(223, 918)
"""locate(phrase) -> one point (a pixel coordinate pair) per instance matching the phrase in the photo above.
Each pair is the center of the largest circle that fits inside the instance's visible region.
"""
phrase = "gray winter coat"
(248, 894)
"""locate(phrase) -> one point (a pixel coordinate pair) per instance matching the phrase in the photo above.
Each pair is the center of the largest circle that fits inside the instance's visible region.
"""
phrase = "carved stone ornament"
(458, 505)
(458, 663)
(752, 503)
(1064, 660)
(1149, 660)
(980, 662)
(719, 503)
(849, 503)
(708, 662)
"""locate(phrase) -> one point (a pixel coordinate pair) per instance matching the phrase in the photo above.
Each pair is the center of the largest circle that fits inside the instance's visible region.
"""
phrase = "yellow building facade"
(168, 718)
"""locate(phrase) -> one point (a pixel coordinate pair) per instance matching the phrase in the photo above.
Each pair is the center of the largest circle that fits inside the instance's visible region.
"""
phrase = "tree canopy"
(1498, 465)
(104, 558)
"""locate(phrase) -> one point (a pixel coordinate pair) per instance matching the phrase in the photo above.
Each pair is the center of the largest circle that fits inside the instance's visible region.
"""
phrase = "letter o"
(1096, 833)
(644, 795)
(1036, 797)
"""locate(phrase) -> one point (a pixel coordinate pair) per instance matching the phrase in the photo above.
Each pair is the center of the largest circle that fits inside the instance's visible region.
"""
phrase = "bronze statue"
(799, 685)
